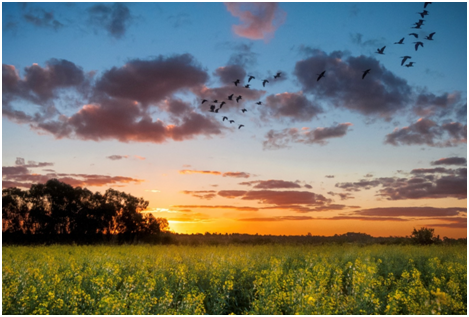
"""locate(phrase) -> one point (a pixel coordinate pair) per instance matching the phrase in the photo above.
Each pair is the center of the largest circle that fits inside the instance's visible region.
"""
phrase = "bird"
(417, 45)
(238, 98)
(423, 14)
(321, 75)
(251, 77)
(414, 34)
(204, 101)
(216, 110)
(243, 110)
(215, 101)
(404, 58)
(381, 51)
(212, 108)
(430, 37)
(222, 103)
(417, 26)
(259, 103)
(225, 118)
(278, 75)
(264, 81)
(365, 72)
(425, 4)
(247, 86)
(236, 82)
(230, 97)
(231, 121)
(400, 42)
(241, 125)
(410, 64)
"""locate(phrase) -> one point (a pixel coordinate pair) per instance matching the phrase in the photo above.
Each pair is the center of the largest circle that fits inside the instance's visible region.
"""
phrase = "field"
(267, 279)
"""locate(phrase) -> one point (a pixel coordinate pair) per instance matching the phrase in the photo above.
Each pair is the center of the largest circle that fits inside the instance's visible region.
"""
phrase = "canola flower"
(269, 279)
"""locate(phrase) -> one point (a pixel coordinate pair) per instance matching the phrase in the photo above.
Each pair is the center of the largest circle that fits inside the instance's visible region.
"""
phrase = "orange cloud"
(240, 208)
(199, 172)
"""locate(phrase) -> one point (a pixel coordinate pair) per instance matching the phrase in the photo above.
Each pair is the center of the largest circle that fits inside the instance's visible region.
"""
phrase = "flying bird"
(423, 14)
(231, 121)
(400, 42)
(414, 34)
(381, 51)
(204, 101)
(259, 103)
(222, 103)
(321, 75)
(225, 118)
(243, 110)
(236, 82)
(247, 86)
(216, 110)
(410, 64)
(215, 101)
(264, 81)
(251, 77)
(277, 76)
(212, 108)
(417, 26)
(430, 37)
(417, 45)
(404, 58)
(365, 72)
(230, 97)
(241, 125)
(425, 4)
(238, 98)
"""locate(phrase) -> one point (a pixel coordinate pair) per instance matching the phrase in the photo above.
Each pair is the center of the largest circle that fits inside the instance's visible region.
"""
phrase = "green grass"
(268, 279)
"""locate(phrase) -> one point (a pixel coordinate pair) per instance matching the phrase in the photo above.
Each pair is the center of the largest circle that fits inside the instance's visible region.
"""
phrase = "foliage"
(267, 279)
(424, 236)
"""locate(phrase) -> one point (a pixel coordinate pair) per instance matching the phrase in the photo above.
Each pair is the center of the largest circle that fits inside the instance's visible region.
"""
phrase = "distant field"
(266, 279)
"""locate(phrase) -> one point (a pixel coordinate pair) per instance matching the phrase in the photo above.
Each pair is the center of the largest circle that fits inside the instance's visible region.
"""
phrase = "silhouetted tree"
(424, 236)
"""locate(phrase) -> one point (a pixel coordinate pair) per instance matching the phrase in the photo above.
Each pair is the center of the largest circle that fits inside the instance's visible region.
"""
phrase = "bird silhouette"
(225, 118)
(417, 45)
(423, 14)
(401, 41)
(241, 125)
(430, 37)
(230, 97)
(321, 75)
(222, 103)
(365, 72)
(215, 101)
(278, 75)
(259, 103)
(204, 101)
(381, 51)
(264, 81)
(404, 58)
(425, 4)
(410, 64)
(216, 110)
(414, 34)
(247, 86)
(238, 98)
(417, 26)
(212, 108)
(236, 82)
(231, 121)
(243, 110)
(251, 77)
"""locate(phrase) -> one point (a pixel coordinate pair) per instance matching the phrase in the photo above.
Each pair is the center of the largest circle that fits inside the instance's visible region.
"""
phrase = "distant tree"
(424, 236)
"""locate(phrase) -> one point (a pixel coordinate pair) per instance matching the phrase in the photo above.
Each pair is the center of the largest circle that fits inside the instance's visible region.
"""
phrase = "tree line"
(56, 212)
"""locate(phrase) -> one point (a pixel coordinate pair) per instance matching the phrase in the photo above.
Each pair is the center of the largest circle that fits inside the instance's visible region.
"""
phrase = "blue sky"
(116, 102)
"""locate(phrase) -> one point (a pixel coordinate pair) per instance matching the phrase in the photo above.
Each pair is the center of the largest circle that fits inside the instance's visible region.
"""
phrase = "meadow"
(234, 279)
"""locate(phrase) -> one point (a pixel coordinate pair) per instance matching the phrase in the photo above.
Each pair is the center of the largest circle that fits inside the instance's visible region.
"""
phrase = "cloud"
(380, 94)
(225, 174)
(114, 18)
(42, 18)
(258, 20)
(236, 174)
(202, 194)
(228, 74)
(239, 208)
(179, 20)
(232, 193)
(450, 161)
(280, 218)
(343, 196)
(287, 218)
(271, 184)
(455, 222)
(428, 104)
(279, 197)
(293, 106)
(429, 132)
(411, 212)
(330, 176)
(116, 157)
(282, 138)
(199, 172)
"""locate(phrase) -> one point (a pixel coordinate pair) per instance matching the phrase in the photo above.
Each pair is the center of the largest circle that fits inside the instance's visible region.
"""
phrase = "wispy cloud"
(114, 18)
(224, 174)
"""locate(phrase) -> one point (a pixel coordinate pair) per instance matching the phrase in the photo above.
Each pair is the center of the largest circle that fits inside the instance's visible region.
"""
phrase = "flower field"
(268, 279)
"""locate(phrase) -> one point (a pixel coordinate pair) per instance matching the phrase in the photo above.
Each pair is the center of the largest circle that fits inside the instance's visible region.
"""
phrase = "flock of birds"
(417, 25)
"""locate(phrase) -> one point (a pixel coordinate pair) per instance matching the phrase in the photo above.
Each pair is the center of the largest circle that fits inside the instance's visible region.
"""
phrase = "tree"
(424, 236)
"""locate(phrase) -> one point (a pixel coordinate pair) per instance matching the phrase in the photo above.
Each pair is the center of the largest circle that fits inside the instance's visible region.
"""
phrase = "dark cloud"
(236, 174)
(150, 81)
(454, 222)
(116, 157)
(450, 161)
(258, 20)
(342, 196)
(411, 212)
(293, 106)
(429, 132)
(330, 176)
(428, 104)
(228, 74)
(42, 18)
(380, 94)
(281, 139)
(202, 194)
(285, 197)
(271, 184)
(114, 18)
(232, 193)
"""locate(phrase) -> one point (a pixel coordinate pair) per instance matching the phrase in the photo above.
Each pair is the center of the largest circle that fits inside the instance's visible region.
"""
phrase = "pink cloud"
(259, 21)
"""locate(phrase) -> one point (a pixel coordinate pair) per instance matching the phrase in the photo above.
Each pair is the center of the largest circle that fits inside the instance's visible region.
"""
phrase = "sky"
(111, 95)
